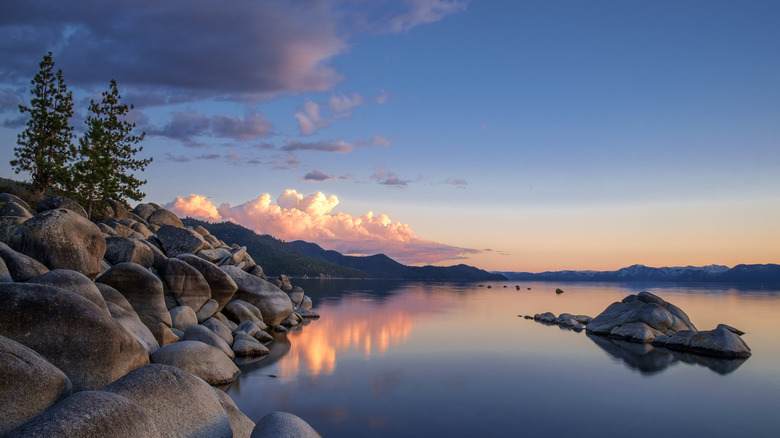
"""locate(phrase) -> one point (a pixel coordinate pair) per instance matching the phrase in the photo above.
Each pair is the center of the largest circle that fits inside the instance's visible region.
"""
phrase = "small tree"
(45, 146)
(105, 162)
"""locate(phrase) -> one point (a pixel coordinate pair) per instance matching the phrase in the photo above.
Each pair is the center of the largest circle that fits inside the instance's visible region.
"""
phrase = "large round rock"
(283, 425)
(144, 291)
(70, 332)
(222, 286)
(20, 267)
(184, 283)
(162, 217)
(177, 240)
(73, 281)
(61, 239)
(179, 404)
(29, 384)
(91, 414)
(199, 359)
(274, 304)
(123, 249)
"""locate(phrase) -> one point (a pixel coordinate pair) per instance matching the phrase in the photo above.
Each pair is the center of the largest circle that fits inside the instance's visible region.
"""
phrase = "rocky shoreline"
(128, 326)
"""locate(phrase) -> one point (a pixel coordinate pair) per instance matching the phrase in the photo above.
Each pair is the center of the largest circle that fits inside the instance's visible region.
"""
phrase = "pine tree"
(105, 159)
(45, 146)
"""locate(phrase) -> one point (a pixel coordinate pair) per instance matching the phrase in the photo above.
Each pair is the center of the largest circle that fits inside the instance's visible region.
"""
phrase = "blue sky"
(504, 134)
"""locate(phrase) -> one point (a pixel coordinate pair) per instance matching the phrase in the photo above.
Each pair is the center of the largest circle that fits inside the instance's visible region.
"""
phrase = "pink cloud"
(311, 218)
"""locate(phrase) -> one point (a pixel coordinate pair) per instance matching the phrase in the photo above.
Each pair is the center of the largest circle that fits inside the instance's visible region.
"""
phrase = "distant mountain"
(301, 258)
(382, 266)
(769, 273)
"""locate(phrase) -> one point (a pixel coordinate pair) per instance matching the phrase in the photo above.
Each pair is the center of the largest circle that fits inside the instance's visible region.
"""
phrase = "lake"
(392, 358)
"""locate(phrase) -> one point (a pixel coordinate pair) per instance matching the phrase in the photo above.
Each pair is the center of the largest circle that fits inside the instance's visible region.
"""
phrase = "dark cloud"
(250, 127)
(338, 146)
(177, 158)
(317, 175)
(385, 177)
(184, 126)
(198, 49)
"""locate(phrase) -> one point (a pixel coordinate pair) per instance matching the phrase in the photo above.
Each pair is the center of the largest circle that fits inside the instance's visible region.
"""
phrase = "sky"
(504, 134)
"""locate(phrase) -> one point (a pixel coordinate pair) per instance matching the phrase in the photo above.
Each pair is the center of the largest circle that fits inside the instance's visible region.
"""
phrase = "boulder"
(111, 295)
(247, 327)
(185, 283)
(274, 304)
(142, 229)
(238, 313)
(213, 241)
(91, 414)
(55, 202)
(61, 239)
(163, 217)
(213, 255)
(122, 249)
(245, 345)
(73, 281)
(144, 291)
(306, 304)
(106, 230)
(241, 424)
(182, 317)
(7, 226)
(723, 341)
(200, 333)
(257, 271)
(282, 424)
(20, 267)
(221, 284)
(157, 253)
(120, 211)
(296, 296)
(144, 211)
(286, 285)
(13, 209)
(5, 275)
(29, 384)
(220, 329)
(208, 310)
(179, 404)
(175, 240)
(128, 319)
(263, 337)
(71, 332)
(646, 308)
(199, 359)
(10, 197)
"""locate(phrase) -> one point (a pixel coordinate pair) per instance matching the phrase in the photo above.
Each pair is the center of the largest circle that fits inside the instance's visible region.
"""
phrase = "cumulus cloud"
(341, 104)
(311, 218)
(195, 50)
(338, 146)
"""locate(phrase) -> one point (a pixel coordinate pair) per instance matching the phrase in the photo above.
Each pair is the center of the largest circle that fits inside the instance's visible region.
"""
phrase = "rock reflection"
(650, 360)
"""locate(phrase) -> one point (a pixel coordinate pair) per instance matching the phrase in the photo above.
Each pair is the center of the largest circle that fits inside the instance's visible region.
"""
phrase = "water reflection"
(650, 360)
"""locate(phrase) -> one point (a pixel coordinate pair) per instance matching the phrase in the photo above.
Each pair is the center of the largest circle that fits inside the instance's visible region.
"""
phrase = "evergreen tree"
(106, 151)
(45, 146)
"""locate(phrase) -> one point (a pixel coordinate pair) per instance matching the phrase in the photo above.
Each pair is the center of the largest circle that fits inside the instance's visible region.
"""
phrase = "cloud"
(311, 218)
(252, 126)
(382, 98)
(184, 126)
(459, 183)
(317, 175)
(181, 50)
(377, 140)
(310, 118)
(338, 146)
(385, 177)
(320, 176)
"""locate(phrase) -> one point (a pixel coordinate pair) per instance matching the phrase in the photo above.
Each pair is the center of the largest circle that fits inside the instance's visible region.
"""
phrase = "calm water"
(413, 359)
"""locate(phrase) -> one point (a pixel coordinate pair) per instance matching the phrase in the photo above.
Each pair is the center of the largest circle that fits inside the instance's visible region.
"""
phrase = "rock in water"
(178, 403)
(90, 414)
(71, 332)
(274, 304)
(640, 312)
(144, 291)
(199, 359)
(61, 239)
(29, 384)
(283, 425)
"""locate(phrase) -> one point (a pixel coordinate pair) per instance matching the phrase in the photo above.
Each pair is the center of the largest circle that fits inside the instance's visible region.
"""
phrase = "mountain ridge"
(755, 273)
